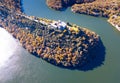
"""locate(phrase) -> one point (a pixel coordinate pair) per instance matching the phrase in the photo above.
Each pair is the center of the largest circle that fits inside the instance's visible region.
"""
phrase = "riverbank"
(62, 44)
(106, 8)
(115, 21)
(61, 4)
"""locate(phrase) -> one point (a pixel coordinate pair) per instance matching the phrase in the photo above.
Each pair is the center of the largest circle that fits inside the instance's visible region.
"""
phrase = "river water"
(19, 66)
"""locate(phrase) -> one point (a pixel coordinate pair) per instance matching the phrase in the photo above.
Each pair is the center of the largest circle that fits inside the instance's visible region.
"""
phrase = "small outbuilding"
(58, 25)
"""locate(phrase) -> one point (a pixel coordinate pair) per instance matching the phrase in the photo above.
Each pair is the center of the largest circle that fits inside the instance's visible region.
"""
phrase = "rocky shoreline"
(62, 44)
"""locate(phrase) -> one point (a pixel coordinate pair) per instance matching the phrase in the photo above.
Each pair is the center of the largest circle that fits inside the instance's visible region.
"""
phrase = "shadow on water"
(22, 9)
(63, 9)
(95, 59)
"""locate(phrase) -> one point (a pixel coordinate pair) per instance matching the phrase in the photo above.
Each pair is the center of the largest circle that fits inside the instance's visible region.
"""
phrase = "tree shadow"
(22, 8)
(63, 9)
(60, 9)
(95, 59)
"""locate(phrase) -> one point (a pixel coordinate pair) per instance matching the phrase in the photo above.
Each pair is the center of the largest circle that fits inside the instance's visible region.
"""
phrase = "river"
(19, 66)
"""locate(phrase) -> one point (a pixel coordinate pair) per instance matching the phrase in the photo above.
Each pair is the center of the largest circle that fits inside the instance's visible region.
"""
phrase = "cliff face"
(59, 4)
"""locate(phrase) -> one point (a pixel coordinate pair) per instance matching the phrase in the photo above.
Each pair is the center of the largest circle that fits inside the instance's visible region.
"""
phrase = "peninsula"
(57, 42)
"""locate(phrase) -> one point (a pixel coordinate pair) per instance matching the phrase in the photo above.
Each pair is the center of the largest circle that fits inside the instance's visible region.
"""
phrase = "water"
(22, 67)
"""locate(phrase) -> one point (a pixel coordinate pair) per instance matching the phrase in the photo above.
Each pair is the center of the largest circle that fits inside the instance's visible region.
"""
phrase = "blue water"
(22, 67)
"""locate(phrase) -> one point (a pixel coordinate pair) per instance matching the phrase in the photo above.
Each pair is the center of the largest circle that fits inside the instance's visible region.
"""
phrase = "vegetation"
(115, 20)
(61, 4)
(72, 47)
(12, 5)
(104, 8)
(69, 47)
